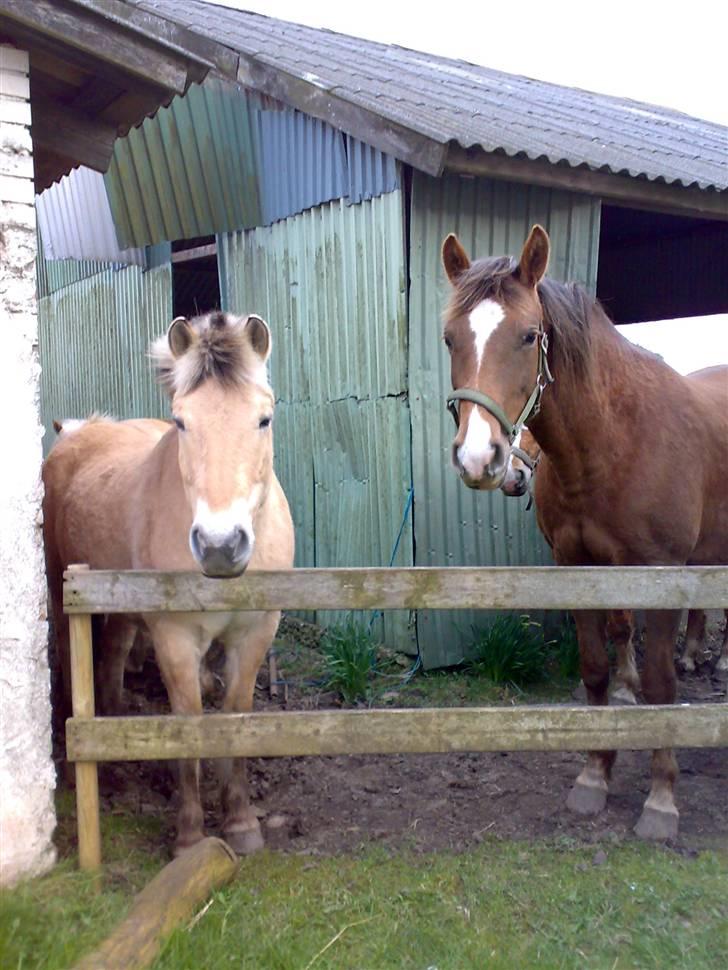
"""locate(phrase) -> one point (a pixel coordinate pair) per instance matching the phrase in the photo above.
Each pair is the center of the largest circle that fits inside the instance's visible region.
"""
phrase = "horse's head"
(214, 368)
(494, 333)
(521, 466)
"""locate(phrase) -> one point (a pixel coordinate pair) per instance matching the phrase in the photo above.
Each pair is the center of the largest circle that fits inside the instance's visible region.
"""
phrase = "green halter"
(531, 407)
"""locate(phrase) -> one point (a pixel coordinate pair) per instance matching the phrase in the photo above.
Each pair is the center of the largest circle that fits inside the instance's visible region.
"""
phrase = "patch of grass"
(501, 905)
(350, 656)
(511, 650)
(566, 651)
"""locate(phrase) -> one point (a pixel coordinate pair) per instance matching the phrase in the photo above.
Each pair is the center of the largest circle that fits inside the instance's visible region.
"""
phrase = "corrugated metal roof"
(75, 221)
(446, 100)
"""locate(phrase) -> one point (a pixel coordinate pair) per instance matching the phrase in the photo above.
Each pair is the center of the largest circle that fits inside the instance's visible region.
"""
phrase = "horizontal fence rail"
(496, 588)
(90, 739)
(419, 731)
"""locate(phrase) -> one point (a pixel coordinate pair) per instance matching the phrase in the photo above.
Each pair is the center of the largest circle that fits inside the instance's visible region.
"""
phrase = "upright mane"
(222, 349)
(570, 313)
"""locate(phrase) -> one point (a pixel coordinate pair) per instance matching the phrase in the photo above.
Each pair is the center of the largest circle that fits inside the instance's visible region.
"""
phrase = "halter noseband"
(530, 409)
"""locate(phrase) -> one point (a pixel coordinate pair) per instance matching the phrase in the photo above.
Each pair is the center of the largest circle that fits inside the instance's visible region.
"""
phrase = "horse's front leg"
(117, 639)
(659, 819)
(245, 650)
(694, 639)
(620, 631)
(589, 794)
(177, 646)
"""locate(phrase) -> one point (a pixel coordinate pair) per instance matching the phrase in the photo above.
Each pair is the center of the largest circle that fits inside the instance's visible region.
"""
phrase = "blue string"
(407, 507)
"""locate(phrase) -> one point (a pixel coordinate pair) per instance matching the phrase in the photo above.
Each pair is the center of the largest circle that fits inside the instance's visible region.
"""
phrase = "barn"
(311, 177)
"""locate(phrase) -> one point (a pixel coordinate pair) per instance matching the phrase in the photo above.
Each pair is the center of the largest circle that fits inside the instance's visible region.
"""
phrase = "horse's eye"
(530, 337)
(265, 422)
(448, 343)
(180, 423)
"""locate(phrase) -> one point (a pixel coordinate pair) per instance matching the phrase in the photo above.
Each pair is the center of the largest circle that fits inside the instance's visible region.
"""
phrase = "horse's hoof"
(245, 841)
(721, 667)
(688, 665)
(657, 825)
(623, 695)
(587, 799)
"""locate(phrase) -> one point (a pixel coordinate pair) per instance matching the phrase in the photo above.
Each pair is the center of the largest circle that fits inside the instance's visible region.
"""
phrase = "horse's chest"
(580, 540)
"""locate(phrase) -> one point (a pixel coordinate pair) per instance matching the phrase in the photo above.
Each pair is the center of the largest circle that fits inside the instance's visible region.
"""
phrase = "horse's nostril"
(242, 544)
(199, 546)
(499, 456)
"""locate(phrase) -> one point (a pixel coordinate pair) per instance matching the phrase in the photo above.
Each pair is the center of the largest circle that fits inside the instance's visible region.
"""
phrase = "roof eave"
(639, 192)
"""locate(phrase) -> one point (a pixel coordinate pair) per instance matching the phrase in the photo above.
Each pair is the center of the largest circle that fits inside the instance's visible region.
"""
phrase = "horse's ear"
(534, 258)
(179, 336)
(258, 332)
(454, 258)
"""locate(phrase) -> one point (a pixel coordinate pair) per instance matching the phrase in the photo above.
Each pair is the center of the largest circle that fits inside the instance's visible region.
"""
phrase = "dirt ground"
(427, 802)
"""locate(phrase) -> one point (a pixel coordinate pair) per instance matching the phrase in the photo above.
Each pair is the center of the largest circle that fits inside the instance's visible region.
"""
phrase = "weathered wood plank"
(424, 731)
(534, 587)
(87, 781)
(169, 899)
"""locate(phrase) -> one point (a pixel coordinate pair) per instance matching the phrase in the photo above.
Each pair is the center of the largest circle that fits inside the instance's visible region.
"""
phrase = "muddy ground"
(427, 802)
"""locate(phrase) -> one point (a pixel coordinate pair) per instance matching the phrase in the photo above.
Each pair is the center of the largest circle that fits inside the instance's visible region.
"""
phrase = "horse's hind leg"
(177, 648)
(245, 651)
(116, 640)
(694, 639)
(589, 794)
(659, 819)
(620, 631)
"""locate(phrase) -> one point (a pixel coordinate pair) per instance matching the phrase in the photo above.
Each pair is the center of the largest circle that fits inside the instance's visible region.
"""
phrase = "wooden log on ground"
(169, 899)
(405, 731)
(486, 588)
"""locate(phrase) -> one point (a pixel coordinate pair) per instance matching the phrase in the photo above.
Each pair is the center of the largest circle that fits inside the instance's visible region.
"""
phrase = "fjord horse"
(526, 349)
(198, 494)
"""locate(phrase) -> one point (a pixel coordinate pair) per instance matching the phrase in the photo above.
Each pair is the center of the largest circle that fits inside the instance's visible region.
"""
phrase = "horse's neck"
(580, 418)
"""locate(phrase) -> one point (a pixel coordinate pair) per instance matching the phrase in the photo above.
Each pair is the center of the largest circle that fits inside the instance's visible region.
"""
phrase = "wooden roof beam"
(635, 193)
(71, 135)
(86, 30)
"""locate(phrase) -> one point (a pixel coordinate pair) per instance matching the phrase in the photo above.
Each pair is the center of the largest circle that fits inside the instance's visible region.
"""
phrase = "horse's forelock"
(485, 278)
(221, 350)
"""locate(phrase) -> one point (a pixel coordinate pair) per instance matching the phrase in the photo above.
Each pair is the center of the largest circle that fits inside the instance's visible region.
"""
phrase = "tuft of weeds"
(350, 657)
(566, 650)
(511, 650)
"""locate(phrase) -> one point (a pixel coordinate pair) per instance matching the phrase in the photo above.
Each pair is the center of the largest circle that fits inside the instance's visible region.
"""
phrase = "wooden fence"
(534, 728)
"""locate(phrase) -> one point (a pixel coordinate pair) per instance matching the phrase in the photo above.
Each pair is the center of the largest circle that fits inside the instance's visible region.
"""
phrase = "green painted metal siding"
(331, 284)
(93, 336)
(456, 526)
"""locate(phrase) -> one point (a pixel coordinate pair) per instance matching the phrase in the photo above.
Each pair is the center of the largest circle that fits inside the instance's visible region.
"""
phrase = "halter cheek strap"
(531, 407)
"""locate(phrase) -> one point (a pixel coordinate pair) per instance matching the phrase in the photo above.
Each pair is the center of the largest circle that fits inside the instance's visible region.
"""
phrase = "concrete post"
(27, 777)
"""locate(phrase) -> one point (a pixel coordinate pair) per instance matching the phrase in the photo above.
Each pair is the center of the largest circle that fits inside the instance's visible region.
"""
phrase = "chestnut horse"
(528, 349)
(198, 494)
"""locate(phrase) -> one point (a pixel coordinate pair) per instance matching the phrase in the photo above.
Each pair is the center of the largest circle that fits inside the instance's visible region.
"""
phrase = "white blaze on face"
(477, 451)
(483, 321)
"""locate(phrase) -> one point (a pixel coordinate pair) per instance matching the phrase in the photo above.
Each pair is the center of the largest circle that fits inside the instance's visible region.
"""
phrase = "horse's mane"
(570, 312)
(221, 350)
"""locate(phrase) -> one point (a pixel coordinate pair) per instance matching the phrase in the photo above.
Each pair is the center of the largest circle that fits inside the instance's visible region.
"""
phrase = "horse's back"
(88, 479)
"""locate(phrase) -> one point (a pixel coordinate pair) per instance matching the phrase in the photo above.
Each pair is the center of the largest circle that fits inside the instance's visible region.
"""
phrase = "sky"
(661, 53)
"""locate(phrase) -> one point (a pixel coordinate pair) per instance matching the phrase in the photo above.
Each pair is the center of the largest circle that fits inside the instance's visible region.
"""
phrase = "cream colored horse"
(197, 494)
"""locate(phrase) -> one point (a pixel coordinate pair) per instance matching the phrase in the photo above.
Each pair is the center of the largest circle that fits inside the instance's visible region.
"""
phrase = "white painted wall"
(27, 777)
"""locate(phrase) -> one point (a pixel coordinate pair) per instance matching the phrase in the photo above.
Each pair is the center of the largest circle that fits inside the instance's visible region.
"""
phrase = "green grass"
(504, 905)
(350, 658)
(511, 650)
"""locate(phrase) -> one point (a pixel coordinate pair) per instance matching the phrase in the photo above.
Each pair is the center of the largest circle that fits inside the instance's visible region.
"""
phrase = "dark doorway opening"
(654, 266)
(195, 278)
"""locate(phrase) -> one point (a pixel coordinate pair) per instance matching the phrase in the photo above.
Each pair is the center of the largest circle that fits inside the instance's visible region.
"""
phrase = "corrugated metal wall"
(331, 283)
(93, 336)
(456, 526)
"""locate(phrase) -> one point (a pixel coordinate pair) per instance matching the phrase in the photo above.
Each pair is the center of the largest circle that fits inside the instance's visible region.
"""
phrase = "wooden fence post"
(87, 779)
